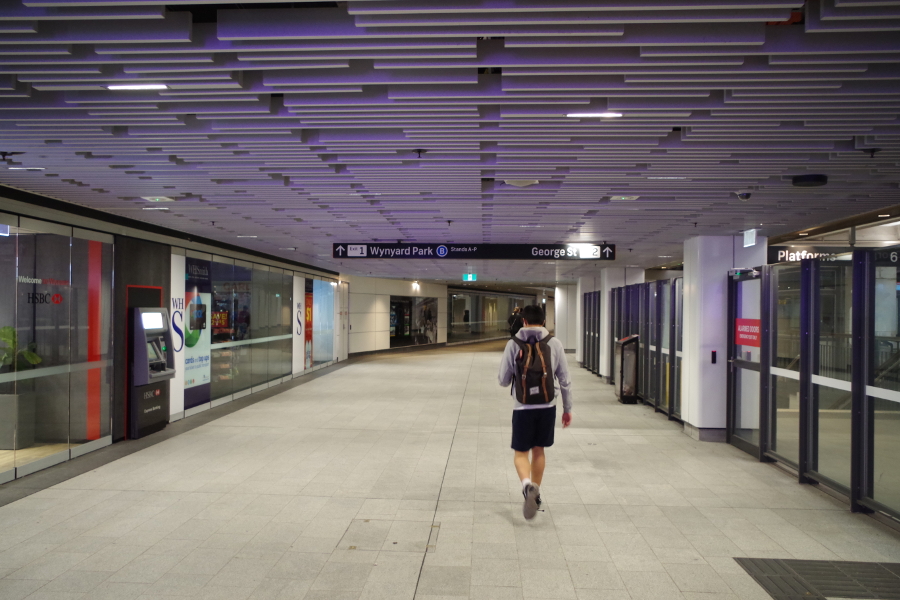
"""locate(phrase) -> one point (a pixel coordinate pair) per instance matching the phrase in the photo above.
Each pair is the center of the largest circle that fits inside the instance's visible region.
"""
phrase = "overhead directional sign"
(477, 251)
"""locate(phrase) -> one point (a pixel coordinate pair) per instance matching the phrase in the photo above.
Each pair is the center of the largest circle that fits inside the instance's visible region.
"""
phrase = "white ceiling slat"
(314, 118)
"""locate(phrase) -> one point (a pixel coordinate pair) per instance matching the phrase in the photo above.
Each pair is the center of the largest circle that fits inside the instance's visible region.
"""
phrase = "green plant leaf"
(8, 335)
(31, 357)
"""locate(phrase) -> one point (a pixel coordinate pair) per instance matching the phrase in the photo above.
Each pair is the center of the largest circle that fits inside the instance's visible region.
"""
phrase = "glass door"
(745, 333)
(831, 363)
(678, 327)
(595, 301)
(652, 396)
(665, 341)
(784, 363)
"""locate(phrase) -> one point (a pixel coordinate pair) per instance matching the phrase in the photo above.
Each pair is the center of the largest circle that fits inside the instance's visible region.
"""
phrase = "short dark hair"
(533, 314)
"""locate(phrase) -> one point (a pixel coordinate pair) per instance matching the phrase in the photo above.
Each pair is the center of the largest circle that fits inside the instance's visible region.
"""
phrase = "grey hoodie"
(561, 380)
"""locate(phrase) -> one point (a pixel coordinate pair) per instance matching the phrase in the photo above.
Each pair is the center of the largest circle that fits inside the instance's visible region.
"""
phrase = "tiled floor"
(392, 479)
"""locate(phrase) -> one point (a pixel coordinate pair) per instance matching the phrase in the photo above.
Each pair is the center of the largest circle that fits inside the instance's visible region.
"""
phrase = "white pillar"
(566, 313)
(707, 260)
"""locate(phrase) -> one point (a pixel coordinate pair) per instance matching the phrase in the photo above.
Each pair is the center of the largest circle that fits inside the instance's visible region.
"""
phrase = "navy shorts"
(533, 427)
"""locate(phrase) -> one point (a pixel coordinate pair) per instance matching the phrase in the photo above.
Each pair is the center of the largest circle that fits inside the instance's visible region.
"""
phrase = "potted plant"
(17, 418)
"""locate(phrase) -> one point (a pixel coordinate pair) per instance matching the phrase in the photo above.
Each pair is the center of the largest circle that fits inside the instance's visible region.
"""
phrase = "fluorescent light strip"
(600, 115)
(156, 208)
(26, 168)
(248, 236)
(138, 86)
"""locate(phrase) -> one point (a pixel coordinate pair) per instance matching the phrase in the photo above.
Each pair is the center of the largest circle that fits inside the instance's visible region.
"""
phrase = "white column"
(707, 260)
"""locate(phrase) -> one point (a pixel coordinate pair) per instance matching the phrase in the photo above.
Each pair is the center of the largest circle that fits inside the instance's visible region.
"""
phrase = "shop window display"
(413, 321)
(54, 345)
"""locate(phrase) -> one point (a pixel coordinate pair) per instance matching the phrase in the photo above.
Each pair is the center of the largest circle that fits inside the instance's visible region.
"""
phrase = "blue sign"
(442, 251)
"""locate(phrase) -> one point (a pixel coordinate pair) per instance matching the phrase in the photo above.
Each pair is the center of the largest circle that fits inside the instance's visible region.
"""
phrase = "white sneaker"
(530, 507)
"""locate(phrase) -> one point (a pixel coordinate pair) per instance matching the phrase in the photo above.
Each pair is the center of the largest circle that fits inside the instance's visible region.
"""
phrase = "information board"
(477, 251)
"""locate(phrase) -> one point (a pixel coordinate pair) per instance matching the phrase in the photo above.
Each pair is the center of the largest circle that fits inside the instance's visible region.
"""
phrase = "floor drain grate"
(820, 579)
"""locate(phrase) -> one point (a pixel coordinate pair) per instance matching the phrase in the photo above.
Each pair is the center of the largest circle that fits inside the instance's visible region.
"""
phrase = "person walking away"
(534, 362)
(515, 321)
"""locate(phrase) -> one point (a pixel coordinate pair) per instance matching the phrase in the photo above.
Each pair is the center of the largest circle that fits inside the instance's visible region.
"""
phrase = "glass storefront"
(475, 316)
(239, 327)
(55, 362)
(413, 321)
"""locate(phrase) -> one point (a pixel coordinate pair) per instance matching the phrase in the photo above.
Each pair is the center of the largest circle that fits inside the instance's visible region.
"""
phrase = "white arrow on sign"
(607, 251)
(340, 249)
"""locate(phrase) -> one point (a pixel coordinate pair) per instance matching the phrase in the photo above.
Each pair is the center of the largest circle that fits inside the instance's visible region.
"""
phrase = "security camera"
(744, 196)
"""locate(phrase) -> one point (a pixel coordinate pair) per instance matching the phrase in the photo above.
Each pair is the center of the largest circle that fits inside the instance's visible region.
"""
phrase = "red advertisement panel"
(747, 332)
(308, 330)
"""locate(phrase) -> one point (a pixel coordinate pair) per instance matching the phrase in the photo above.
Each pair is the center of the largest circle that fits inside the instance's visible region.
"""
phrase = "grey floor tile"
(444, 581)
(331, 490)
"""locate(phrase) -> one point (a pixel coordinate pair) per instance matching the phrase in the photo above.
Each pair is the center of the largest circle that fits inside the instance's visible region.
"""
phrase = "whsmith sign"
(478, 251)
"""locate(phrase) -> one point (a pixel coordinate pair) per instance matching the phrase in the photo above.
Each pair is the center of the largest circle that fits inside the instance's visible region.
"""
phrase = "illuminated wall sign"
(470, 277)
(478, 251)
(781, 254)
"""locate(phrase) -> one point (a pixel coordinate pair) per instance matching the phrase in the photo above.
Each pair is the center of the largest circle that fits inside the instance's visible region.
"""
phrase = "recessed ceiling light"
(156, 208)
(157, 199)
(883, 216)
(25, 168)
(625, 197)
(248, 236)
(530, 226)
(665, 257)
(667, 178)
(138, 86)
(804, 234)
(521, 182)
(598, 115)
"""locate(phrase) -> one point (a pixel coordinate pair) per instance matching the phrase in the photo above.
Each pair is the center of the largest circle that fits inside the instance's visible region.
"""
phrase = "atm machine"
(152, 366)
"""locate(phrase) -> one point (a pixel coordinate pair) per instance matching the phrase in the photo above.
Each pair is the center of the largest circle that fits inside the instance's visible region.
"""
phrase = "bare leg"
(538, 460)
(523, 467)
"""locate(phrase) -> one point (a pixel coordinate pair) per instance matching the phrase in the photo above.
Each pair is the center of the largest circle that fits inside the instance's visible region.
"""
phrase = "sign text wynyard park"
(477, 251)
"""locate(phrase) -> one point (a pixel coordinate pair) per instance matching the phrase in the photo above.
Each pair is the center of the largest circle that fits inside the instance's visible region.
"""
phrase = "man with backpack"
(534, 362)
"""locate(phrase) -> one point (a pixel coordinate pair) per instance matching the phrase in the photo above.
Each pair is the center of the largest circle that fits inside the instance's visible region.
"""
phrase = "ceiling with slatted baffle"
(286, 127)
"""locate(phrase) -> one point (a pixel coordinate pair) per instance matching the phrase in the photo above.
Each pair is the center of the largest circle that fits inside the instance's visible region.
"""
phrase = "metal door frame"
(734, 362)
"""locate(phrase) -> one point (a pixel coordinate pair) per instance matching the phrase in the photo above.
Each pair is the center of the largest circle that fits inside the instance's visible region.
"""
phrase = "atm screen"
(152, 354)
(152, 320)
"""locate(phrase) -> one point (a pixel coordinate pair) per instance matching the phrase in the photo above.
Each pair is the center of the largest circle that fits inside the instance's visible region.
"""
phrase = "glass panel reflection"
(885, 413)
(785, 390)
(832, 362)
(475, 316)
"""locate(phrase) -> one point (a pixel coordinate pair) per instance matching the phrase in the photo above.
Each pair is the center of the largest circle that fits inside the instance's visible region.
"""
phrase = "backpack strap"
(544, 378)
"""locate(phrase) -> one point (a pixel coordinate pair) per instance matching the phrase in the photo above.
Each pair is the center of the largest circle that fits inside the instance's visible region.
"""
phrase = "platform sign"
(470, 277)
(477, 251)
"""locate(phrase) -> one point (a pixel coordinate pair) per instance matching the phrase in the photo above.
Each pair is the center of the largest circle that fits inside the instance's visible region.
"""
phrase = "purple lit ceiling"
(300, 122)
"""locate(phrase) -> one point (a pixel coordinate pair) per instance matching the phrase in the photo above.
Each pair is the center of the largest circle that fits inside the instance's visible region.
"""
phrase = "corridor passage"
(392, 478)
